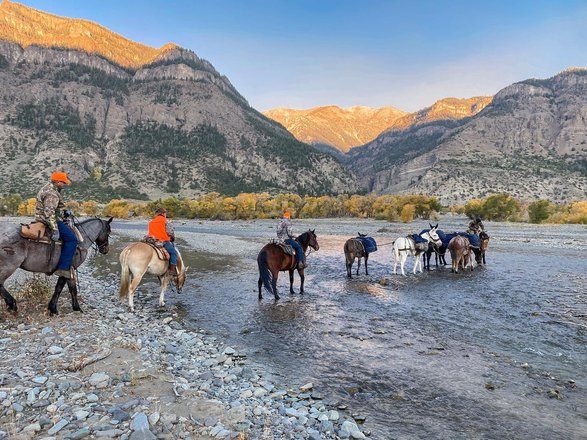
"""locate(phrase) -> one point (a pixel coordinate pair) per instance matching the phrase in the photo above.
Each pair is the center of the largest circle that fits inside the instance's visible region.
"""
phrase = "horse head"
(432, 235)
(484, 238)
(312, 239)
(180, 279)
(103, 235)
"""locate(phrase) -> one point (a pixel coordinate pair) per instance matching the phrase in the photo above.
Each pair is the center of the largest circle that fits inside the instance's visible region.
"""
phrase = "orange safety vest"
(158, 229)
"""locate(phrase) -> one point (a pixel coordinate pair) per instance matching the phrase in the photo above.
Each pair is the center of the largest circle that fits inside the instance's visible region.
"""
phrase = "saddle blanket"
(288, 249)
(369, 244)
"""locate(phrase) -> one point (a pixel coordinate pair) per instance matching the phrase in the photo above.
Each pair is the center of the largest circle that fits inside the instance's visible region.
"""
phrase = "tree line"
(247, 206)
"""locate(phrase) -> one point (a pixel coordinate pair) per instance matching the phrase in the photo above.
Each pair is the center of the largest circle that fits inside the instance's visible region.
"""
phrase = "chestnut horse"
(272, 260)
(461, 253)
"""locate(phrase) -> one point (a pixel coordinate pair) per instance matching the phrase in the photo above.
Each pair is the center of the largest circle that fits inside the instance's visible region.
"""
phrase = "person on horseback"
(49, 210)
(161, 229)
(285, 234)
(476, 226)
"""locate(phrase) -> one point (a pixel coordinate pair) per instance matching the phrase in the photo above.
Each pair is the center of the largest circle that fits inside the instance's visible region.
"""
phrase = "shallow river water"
(499, 352)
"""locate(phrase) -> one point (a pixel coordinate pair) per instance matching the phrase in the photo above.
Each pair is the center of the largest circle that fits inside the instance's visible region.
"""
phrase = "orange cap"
(287, 214)
(60, 176)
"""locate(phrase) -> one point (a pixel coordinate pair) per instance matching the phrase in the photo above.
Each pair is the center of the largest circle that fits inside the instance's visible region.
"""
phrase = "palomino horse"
(272, 260)
(460, 253)
(353, 248)
(483, 245)
(140, 258)
(38, 257)
(404, 246)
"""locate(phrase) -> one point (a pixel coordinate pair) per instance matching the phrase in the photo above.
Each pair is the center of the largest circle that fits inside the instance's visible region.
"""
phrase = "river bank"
(111, 374)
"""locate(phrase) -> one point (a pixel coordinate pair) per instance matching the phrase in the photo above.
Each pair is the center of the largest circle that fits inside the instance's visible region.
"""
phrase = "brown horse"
(353, 248)
(272, 260)
(480, 252)
(460, 253)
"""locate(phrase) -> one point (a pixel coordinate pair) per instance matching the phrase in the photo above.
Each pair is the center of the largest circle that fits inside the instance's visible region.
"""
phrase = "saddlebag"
(33, 231)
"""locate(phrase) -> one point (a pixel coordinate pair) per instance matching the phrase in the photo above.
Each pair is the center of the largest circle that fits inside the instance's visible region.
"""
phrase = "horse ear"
(431, 227)
(436, 227)
(110, 220)
(314, 231)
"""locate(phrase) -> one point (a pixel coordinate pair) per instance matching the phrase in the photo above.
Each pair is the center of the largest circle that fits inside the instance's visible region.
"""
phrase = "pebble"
(55, 349)
(142, 434)
(40, 380)
(154, 418)
(58, 427)
(307, 387)
(99, 380)
(79, 434)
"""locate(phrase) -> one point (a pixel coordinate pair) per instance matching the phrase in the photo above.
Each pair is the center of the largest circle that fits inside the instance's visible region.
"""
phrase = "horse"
(140, 258)
(483, 245)
(438, 249)
(272, 259)
(40, 257)
(354, 248)
(460, 253)
(404, 246)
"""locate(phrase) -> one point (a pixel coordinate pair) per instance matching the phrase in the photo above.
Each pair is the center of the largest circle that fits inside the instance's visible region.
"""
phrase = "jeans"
(69, 246)
(300, 256)
(170, 247)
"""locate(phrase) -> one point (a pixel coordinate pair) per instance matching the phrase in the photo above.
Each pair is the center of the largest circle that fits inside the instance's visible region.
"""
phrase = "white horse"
(136, 260)
(407, 246)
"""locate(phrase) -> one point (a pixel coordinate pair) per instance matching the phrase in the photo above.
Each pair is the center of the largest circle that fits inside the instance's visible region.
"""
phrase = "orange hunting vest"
(158, 230)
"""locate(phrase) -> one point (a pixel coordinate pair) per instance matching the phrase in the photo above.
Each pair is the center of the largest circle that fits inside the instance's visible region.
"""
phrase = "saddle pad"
(417, 238)
(162, 253)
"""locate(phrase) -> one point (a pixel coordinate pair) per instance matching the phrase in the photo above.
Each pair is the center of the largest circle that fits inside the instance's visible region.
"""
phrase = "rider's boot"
(302, 265)
(173, 270)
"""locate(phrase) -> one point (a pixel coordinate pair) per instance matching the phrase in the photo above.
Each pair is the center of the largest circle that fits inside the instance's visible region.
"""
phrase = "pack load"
(369, 243)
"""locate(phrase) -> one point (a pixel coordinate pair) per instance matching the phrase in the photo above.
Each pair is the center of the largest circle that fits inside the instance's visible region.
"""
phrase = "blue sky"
(306, 53)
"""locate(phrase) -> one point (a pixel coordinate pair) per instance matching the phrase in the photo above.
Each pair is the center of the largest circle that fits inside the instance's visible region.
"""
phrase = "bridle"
(93, 243)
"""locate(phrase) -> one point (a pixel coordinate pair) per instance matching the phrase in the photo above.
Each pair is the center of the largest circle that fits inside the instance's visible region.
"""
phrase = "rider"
(49, 210)
(160, 228)
(476, 226)
(285, 234)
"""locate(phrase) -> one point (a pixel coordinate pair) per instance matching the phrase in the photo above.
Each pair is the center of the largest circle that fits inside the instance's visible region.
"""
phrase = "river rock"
(307, 387)
(79, 434)
(58, 427)
(139, 421)
(99, 380)
(350, 429)
(142, 434)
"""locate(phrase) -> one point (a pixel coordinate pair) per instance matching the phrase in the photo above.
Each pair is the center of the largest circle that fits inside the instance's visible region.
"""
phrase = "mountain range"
(346, 128)
(128, 120)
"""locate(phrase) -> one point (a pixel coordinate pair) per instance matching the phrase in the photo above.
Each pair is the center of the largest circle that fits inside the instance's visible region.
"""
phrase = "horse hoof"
(53, 312)
(78, 309)
(276, 297)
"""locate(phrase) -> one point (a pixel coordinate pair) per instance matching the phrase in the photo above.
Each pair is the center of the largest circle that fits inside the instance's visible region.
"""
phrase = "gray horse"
(17, 252)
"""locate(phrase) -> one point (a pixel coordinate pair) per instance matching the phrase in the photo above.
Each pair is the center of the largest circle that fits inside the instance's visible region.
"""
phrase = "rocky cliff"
(530, 141)
(128, 120)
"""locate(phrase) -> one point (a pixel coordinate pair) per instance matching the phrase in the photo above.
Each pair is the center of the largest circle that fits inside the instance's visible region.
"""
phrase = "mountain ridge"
(351, 127)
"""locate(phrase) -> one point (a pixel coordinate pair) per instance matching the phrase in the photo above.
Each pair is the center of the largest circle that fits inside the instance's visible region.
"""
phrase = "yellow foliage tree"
(408, 212)
(27, 208)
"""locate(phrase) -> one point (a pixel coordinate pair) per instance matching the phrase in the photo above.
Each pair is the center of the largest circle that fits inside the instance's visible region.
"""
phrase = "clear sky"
(306, 53)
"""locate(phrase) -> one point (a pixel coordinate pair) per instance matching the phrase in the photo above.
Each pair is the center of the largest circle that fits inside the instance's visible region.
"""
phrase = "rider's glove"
(55, 236)
(67, 213)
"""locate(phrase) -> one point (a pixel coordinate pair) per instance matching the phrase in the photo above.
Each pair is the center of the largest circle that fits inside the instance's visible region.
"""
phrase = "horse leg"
(274, 285)
(72, 287)
(302, 278)
(358, 264)
(164, 284)
(260, 287)
(291, 280)
(134, 284)
(55, 298)
(416, 263)
(402, 261)
(349, 267)
(366, 268)
(8, 299)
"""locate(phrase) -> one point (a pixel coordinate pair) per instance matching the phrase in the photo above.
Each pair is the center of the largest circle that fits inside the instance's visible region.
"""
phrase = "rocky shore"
(107, 373)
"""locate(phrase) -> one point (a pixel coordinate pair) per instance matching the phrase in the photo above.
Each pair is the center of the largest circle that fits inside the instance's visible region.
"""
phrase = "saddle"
(162, 253)
(288, 249)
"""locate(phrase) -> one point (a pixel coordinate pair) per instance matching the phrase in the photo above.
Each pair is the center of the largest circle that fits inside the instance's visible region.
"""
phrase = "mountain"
(530, 141)
(341, 128)
(128, 120)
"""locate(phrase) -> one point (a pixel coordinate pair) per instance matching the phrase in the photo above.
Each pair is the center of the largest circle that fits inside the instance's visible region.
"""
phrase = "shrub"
(408, 212)
(539, 211)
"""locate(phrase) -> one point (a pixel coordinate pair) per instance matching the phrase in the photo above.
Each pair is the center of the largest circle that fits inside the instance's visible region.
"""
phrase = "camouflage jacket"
(284, 230)
(49, 206)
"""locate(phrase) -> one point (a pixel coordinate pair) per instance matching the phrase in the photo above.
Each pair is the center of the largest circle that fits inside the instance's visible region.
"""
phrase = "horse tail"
(124, 274)
(264, 272)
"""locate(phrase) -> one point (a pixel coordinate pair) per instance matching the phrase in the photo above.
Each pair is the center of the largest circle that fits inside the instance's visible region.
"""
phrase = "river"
(499, 352)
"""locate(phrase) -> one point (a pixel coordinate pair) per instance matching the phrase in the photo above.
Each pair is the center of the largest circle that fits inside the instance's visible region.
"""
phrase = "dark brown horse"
(353, 248)
(483, 245)
(272, 260)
